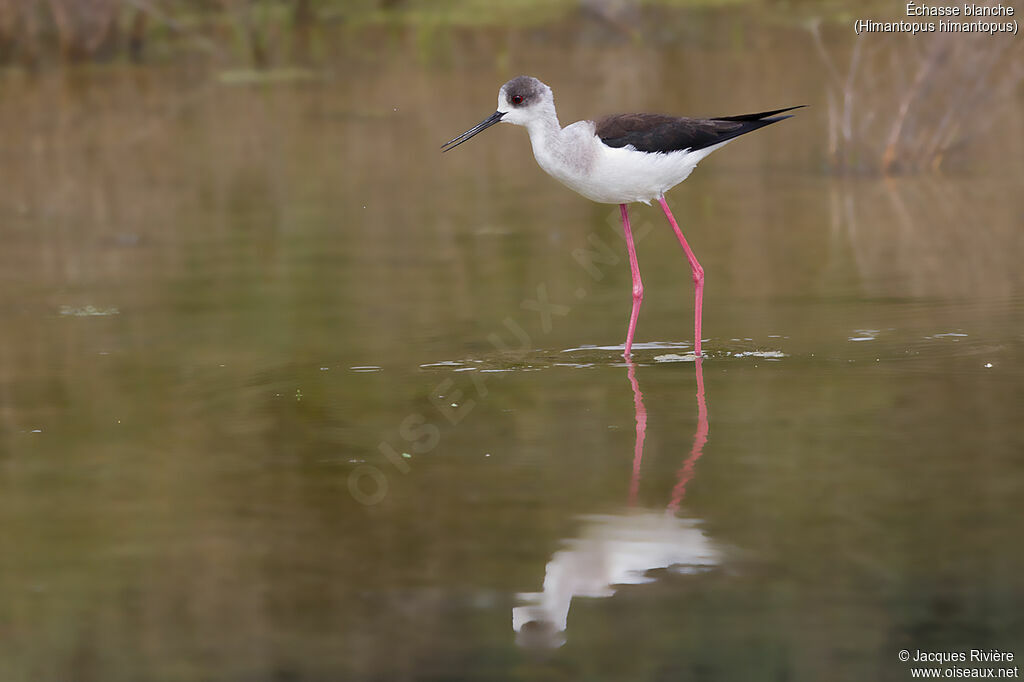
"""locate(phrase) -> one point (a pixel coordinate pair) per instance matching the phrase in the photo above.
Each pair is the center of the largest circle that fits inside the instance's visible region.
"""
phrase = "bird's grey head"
(524, 99)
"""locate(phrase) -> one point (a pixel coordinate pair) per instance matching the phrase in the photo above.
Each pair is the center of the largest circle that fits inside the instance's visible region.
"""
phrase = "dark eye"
(517, 99)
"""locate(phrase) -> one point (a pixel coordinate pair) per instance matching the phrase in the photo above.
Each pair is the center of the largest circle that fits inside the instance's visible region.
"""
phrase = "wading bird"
(620, 159)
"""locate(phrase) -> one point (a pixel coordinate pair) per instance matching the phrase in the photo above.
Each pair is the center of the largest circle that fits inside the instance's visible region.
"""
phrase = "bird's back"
(655, 133)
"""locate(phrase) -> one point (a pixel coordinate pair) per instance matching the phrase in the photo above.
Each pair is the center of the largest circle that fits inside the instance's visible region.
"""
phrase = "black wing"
(660, 133)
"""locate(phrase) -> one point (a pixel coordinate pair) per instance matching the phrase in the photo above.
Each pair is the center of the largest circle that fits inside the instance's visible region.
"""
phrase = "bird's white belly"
(622, 175)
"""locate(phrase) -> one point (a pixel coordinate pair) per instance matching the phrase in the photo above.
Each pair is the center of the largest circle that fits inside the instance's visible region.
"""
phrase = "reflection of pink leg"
(699, 439)
(698, 274)
(641, 430)
(638, 286)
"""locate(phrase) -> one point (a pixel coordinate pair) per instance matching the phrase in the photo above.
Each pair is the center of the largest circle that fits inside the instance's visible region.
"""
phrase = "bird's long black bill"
(479, 127)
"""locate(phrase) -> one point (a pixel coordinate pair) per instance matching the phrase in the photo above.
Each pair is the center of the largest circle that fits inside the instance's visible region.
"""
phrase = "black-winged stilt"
(620, 159)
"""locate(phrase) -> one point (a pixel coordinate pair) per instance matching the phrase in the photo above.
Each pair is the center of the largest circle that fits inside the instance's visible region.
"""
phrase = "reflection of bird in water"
(620, 159)
(610, 551)
(619, 550)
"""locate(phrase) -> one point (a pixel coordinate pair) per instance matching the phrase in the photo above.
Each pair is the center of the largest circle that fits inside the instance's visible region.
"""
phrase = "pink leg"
(698, 275)
(638, 286)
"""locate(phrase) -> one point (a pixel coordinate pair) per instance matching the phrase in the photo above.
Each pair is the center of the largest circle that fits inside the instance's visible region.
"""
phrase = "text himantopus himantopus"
(620, 159)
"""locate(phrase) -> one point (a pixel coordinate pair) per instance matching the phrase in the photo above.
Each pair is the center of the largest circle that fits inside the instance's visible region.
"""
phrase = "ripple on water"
(899, 349)
(87, 311)
(593, 356)
(942, 352)
(865, 334)
(690, 357)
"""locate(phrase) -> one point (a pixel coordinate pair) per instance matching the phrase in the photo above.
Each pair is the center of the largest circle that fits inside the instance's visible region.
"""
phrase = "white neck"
(544, 130)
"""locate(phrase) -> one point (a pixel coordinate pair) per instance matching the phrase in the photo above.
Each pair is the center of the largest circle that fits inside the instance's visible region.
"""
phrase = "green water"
(276, 402)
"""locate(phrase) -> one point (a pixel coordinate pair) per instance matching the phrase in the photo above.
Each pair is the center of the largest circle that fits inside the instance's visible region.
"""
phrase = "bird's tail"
(762, 117)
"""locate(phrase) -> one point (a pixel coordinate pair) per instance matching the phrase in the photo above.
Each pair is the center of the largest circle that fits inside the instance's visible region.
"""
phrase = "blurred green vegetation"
(276, 33)
(267, 32)
(40, 31)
